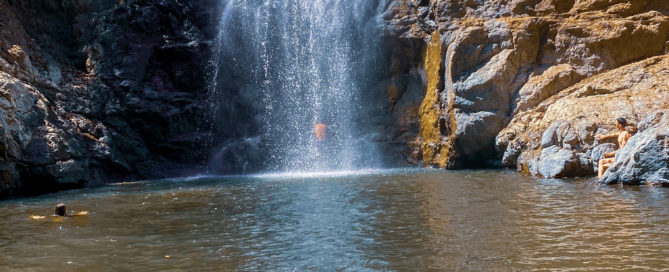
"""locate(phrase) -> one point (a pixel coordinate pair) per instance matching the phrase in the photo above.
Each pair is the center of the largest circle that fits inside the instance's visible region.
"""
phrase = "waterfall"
(299, 63)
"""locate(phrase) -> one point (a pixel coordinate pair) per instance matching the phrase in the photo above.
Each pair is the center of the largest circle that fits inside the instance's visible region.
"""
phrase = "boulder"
(513, 150)
(549, 137)
(556, 162)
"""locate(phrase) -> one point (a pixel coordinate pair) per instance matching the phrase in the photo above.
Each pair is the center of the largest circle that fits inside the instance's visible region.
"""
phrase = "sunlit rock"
(645, 158)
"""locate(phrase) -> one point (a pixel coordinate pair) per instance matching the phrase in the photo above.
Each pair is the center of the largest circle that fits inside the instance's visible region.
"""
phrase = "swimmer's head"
(60, 210)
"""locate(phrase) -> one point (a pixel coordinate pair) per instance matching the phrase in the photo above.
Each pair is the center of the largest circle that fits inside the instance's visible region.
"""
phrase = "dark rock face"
(645, 158)
(96, 91)
(395, 96)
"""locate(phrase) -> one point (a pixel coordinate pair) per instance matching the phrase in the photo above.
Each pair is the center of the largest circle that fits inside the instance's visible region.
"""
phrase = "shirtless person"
(320, 130)
(623, 136)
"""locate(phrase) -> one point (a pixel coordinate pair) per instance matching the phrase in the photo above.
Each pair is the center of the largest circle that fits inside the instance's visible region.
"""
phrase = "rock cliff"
(94, 91)
(528, 83)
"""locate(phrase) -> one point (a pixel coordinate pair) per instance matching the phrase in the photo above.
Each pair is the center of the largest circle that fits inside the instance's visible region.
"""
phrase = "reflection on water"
(402, 220)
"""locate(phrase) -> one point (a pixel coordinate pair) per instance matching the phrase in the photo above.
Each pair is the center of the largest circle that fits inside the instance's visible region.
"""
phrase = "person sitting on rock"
(623, 136)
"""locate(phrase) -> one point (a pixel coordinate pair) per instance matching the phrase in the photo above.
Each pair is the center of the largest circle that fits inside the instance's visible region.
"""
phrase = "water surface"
(399, 220)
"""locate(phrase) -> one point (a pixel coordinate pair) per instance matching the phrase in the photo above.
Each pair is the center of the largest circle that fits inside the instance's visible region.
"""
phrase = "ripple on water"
(407, 219)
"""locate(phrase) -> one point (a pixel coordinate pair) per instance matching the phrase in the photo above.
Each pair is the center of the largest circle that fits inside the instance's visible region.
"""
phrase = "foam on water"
(295, 175)
(322, 174)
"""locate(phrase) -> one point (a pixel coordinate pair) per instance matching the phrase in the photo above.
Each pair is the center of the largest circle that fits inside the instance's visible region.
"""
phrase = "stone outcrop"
(529, 84)
(645, 158)
(95, 91)
(571, 119)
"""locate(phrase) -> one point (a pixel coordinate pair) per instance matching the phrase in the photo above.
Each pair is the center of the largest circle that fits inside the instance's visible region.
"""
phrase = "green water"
(395, 220)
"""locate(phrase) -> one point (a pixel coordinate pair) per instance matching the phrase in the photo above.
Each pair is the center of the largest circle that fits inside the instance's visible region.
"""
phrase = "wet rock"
(240, 156)
(511, 155)
(70, 171)
(645, 158)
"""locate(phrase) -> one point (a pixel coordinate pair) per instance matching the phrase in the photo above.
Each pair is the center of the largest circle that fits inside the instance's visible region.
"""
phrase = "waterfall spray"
(298, 62)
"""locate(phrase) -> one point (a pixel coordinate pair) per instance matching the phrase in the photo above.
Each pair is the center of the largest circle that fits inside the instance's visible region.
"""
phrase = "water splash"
(300, 62)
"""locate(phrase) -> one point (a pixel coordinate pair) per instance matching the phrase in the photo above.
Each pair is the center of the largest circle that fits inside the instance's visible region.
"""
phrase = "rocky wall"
(95, 91)
(98, 91)
(502, 61)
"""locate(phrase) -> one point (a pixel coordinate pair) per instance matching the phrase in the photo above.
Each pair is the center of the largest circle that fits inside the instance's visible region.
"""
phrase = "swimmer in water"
(60, 211)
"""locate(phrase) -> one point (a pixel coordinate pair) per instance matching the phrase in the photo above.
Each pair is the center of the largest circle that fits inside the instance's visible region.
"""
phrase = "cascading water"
(301, 63)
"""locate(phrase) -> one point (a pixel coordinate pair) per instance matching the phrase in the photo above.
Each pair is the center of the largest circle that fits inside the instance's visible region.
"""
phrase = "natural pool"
(403, 220)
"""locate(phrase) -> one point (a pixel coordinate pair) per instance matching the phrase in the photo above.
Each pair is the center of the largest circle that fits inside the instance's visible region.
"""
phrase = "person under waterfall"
(320, 131)
(609, 157)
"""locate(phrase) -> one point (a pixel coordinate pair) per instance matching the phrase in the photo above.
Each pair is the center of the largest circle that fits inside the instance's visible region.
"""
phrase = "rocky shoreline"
(528, 84)
(94, 91)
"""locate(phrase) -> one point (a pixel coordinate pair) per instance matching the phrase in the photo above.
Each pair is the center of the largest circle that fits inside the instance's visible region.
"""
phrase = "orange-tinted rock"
(504, 59)
(632, 91)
